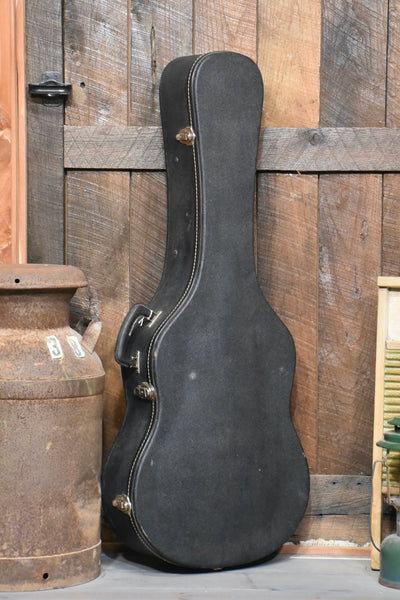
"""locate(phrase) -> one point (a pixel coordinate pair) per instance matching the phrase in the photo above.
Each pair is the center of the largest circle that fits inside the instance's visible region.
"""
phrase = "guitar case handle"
(136, 317)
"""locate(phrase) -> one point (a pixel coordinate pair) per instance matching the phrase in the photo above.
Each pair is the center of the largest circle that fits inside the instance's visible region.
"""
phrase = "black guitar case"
(207, 470)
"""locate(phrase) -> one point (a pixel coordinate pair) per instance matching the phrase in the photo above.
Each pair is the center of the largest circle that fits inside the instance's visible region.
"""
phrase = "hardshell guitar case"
(207, 470)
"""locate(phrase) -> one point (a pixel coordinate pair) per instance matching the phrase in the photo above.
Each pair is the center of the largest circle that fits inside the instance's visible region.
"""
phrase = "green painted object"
(390, 561)
(391, 439)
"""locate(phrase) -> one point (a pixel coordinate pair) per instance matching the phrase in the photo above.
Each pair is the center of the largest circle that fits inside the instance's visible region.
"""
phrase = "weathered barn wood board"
(160, 31)
(96, 53)
(349, 235)
(98, 219)
(45, 136)
(339, 495)
(287, 267)
(289, 38)
(328, 149)
(289, 59)
(353, 68)
(350, 528)
(393, 66)
(148, 233)
(352, 94)
(225, 25)
(339, 509)
(97, 203)
(114, 147)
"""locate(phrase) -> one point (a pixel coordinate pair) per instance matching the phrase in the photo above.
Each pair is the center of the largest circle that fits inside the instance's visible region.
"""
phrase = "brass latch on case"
(122, 503)
(145, 391)
(186, 136)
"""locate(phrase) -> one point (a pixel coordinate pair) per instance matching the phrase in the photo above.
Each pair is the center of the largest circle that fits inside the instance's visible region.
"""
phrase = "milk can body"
(51, 384)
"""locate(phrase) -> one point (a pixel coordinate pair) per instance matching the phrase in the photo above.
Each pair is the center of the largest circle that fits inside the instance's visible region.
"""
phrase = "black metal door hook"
(51, 91)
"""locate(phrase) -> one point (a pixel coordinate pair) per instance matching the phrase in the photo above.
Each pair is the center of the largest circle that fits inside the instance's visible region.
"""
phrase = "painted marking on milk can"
(76, 346)
(54, 346)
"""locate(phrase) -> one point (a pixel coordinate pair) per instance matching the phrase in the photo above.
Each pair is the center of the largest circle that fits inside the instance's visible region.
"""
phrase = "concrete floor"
(286, 577)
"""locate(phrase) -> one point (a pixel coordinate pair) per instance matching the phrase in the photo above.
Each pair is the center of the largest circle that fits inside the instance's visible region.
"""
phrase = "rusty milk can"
(51, 384)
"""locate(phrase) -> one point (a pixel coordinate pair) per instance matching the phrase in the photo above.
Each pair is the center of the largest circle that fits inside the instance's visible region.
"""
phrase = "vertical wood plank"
(148, 233)
(160, 32)
(393, 65)
(349, 238)
(12, 133)
(7, 100)
(353, 68)
(289, 59)
(96, 58)
(97, 203)
(98, 242)
(45, 170)
(20, 119)
(352, 94)
(225, 25)
(287, 264)
(391, 182)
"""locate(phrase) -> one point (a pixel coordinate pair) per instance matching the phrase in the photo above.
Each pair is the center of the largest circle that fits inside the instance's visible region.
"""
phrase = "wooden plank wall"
(327, 196)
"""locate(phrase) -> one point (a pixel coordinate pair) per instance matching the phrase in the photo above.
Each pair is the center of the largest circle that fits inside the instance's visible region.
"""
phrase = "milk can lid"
(40, 276)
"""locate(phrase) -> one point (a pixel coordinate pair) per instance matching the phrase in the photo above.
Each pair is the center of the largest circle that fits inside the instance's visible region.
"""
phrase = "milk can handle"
(91, 335)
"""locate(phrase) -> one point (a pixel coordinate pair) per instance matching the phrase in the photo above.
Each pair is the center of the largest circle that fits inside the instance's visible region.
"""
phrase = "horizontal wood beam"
(114, 147)
(304, 150)
(339, 495)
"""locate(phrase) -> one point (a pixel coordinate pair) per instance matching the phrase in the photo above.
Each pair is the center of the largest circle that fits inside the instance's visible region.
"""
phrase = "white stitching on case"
(138, 530)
